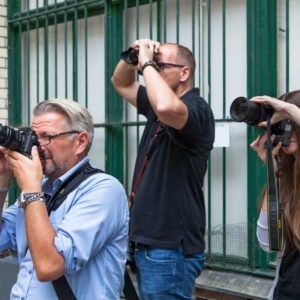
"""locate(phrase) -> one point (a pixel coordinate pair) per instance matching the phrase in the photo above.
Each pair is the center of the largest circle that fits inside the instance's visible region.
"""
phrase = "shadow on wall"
(8, 274)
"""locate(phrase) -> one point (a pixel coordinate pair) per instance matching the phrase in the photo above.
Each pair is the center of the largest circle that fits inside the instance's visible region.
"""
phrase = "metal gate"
(69, 49)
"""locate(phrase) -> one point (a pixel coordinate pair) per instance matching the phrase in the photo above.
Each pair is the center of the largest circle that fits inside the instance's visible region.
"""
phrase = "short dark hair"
(188, 57)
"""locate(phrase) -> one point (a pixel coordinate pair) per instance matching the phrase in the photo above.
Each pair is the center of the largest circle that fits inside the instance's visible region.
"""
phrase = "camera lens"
(130, 56)
(243, 110)
(9, 137)
(133, 56)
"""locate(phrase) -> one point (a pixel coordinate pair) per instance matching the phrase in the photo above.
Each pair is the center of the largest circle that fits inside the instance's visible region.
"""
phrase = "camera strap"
(275, 216)
(143, 166)
(61, 285)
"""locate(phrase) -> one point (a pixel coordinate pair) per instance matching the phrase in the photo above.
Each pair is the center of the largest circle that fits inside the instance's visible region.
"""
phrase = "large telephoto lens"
(243, 110)
(9, 138)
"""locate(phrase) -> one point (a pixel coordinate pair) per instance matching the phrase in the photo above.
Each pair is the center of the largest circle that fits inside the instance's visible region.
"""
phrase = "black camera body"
(21, 140)
(131, 56)
(252, 113)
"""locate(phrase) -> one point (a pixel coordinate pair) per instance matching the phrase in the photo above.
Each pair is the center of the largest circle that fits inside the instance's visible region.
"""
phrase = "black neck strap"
(61, 285)
(85, 171)
(275, 218)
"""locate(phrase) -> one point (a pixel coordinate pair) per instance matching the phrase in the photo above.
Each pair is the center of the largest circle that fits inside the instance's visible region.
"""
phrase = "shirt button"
(29, 271)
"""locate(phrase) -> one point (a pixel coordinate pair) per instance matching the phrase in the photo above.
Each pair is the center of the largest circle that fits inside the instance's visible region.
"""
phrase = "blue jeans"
(167, 274)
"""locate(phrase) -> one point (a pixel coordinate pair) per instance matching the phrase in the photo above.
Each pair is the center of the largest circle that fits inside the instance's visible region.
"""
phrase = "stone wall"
(3, 64)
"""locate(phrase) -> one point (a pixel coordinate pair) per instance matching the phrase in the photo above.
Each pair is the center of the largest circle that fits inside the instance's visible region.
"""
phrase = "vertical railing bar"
(113, 108)
(200, 46)
(37, 53)
(75, 54)
(158, 16)
(137, 37)
(66, 49)
(193, 25)
(165, 21)
(262, 38)
(126, 108)
(126, 20)
(137, 19)
(86, 53)
(177, 21)
(203, 47)
(287, 52)
(55, 53)
(20, 70)
(224, 112)
(28, 63)
(151, 19)
(193, 31)
(209, 102)
(14, 40)
(46, 50)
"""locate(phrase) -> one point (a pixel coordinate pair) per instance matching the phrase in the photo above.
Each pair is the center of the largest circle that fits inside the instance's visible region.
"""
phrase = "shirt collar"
(49, 187)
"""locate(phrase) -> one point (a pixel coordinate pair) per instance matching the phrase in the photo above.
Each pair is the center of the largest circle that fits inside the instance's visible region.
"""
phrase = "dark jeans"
(167, 274)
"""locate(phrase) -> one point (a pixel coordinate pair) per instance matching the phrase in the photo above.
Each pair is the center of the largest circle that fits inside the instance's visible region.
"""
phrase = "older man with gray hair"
(69, 228)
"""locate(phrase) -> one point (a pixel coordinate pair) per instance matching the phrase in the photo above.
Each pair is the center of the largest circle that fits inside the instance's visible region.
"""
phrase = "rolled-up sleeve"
(262, 231)
(97, 214)
(8, 228)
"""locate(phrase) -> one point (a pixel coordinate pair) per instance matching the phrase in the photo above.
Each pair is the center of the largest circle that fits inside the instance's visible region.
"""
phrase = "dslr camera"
(252, 113)
(131, 56)
(21, 140)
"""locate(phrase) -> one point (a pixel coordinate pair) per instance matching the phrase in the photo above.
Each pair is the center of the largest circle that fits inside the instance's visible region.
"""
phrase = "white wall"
(3, 65)
(95, 98)
(294, 46)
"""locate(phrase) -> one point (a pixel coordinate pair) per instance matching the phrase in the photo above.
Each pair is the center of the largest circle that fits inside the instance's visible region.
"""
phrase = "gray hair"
(77, 117)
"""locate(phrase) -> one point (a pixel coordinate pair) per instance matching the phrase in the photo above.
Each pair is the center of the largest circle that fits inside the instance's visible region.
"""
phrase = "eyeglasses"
(163, 65)
(46, 140)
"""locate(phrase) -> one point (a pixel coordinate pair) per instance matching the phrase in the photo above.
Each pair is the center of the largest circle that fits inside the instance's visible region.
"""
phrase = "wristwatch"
(150, 63)
(26, 198)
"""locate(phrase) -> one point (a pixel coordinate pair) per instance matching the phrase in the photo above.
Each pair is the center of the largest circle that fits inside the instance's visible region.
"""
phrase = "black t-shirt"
(168, 208)
(288, 285)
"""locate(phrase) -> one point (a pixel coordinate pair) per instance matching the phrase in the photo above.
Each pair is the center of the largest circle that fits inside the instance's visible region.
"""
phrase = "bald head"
(184, 56)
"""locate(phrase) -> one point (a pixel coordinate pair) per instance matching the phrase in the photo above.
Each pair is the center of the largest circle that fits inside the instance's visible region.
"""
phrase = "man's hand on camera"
(5, 173)
(28, 172)
(146, 48)
(258, 145)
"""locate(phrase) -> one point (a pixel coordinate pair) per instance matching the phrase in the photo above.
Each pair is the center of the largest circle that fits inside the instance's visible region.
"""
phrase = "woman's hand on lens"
(279, 107)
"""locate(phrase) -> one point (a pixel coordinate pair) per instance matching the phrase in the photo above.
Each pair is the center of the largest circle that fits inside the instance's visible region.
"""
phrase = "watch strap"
(150, 63)
(27, 198)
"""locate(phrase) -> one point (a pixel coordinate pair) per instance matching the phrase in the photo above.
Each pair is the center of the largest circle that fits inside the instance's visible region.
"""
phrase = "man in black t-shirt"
(167, 223)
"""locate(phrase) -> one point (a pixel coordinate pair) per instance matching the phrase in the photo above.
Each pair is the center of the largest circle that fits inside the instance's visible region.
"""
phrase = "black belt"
(141, 246)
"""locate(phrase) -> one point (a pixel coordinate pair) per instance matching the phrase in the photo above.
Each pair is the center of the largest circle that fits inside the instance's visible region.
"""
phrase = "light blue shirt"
(91, 233)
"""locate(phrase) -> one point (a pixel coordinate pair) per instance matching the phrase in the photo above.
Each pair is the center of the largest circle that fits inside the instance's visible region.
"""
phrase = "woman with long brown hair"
(287, 281)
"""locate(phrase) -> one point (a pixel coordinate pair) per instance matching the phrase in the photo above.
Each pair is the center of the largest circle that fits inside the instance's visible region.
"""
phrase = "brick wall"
(3, 64)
